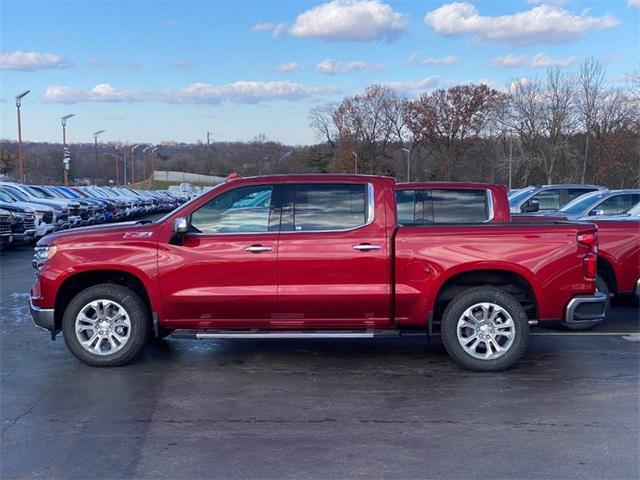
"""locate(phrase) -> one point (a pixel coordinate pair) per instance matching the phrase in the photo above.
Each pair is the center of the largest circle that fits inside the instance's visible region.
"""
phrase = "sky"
(154, 71)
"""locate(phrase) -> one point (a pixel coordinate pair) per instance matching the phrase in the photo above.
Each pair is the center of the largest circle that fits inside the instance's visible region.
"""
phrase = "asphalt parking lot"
(316, 409)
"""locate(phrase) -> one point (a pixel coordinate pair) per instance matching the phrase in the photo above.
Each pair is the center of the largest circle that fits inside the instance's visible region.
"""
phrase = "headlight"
(41, 255)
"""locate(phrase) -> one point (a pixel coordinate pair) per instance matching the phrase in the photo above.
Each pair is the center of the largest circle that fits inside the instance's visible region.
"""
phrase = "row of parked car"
(28, 212)
(575, 202)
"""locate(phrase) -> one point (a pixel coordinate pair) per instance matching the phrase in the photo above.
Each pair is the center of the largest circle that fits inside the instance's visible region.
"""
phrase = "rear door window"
(617, 204)
(549, 199)
(326, 207)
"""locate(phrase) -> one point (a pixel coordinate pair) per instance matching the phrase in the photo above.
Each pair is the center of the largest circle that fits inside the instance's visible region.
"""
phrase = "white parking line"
(586, 334)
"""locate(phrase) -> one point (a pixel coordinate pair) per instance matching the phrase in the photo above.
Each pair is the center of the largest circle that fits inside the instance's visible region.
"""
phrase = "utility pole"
(356, 156)
(20, 152)
(208, 139)
(95, 138)
(117, 161)
(124, 162)
(67, 156)
(408, 152)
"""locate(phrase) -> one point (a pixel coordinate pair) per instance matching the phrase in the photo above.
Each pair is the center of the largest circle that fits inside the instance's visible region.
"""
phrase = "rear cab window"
(443, 206)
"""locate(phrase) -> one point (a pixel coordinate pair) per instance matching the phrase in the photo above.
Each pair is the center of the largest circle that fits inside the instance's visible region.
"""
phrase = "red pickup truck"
(320, 256)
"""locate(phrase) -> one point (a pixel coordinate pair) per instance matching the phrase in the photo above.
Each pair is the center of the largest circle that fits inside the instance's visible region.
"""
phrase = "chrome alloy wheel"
(486, 331)
(103, 327)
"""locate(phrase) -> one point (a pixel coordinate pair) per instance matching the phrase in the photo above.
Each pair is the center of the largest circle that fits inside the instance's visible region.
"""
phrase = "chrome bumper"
(638, 288)
(586, 309)
(43, 317)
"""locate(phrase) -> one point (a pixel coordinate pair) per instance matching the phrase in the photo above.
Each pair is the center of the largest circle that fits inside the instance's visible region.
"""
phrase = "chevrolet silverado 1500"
(320, 256)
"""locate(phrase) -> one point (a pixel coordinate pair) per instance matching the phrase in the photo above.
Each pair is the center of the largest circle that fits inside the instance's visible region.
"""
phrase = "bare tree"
(591, 81)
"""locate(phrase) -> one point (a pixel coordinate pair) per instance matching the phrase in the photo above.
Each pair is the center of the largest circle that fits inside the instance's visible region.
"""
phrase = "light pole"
(153, 165)
(20, 154)
(117, 160)
(408, 152)
(66, 158)
(144, 164)
(95, 138)
(356, 157)
(133, 163)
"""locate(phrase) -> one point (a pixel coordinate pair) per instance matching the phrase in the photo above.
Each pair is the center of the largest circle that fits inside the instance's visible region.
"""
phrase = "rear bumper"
(638, 288)
(43, 317)
(586, 309)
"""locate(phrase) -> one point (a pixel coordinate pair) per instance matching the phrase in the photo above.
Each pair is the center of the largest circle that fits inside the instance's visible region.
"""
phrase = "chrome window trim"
(370, 217)
(490, 211)
(488, 198)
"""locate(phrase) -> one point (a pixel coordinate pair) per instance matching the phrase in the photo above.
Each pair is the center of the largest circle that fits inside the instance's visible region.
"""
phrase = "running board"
(280, 334)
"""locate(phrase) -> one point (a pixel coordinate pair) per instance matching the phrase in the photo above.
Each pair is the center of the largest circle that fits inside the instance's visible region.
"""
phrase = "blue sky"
(152, 71)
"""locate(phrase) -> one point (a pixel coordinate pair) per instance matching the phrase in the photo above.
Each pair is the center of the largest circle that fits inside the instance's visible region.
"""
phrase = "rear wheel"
(106, 325)
(485, 329)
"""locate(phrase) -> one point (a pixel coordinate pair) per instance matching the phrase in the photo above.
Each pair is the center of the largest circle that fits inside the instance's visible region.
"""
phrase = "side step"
(293, 334)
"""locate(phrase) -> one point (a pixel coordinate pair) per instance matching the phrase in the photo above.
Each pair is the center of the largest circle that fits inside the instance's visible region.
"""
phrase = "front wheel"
(106, 325)
(485, 329)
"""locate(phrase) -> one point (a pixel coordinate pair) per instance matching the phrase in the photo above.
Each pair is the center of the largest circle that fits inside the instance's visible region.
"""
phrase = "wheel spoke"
(88, 328)
(492, 327)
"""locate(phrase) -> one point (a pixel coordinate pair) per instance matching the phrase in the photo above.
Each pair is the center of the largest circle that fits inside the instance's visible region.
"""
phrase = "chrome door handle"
(257, 248)
(364, 247)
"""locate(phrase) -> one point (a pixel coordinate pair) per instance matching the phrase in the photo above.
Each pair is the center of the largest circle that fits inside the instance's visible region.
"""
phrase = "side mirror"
(180, 226)
(594, 213)
(531, 206)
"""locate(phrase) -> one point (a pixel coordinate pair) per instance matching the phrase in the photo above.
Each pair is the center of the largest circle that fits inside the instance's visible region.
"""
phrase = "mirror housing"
(180, 226)
(530, 206)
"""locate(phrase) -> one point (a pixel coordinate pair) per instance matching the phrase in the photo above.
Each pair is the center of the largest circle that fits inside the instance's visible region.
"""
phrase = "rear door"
(333, 257)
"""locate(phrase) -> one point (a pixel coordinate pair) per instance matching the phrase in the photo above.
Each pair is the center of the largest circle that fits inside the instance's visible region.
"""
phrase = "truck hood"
(108, 233)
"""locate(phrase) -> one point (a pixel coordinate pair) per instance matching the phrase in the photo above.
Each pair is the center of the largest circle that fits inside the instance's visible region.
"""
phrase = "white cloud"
(287, 67)
(357, 20)
(542, 60)
(633, 3)
(276, 29)
(237, 92)
(548, 2)
(31, 61)
(541, 24)
(415, 86)
(509, 61)
(416, 59)
(330, 67)
(100, 93)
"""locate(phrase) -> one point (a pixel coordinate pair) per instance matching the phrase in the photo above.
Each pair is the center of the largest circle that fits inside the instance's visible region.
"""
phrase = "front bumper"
(586, 309)
(25, 237)
(43, 318)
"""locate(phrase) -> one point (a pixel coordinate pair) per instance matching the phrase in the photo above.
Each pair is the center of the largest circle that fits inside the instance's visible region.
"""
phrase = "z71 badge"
(137, 234)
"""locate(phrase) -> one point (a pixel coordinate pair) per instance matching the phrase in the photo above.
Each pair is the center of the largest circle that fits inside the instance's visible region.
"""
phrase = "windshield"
(15, 193)
(581, 203)
(6, 198)
(515, 199)
(34, 192)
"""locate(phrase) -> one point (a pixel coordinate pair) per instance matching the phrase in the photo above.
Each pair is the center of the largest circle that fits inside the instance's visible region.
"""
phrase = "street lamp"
(20, 154)
(133, 163)
(144, 164)
(95, 138)
(408, 152)
(356, 155)
(154, 154)
(66, 157)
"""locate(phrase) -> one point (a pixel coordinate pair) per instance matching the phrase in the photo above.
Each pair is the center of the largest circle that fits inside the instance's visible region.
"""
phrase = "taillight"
(589, 240)
(590, 266)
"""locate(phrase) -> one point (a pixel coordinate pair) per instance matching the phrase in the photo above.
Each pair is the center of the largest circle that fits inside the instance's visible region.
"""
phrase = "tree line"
(563, 127)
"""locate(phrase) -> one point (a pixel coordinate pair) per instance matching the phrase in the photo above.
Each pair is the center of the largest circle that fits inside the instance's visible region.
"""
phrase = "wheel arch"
(608, 273)
(79, 281)
(512, 282)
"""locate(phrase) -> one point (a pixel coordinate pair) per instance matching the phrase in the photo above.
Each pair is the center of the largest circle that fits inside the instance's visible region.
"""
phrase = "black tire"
(138, 315)
(602, 286)
(467, 299)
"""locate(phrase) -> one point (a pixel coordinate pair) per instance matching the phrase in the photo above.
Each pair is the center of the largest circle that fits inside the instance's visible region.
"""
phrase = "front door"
(333, 258)
(224, 273)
